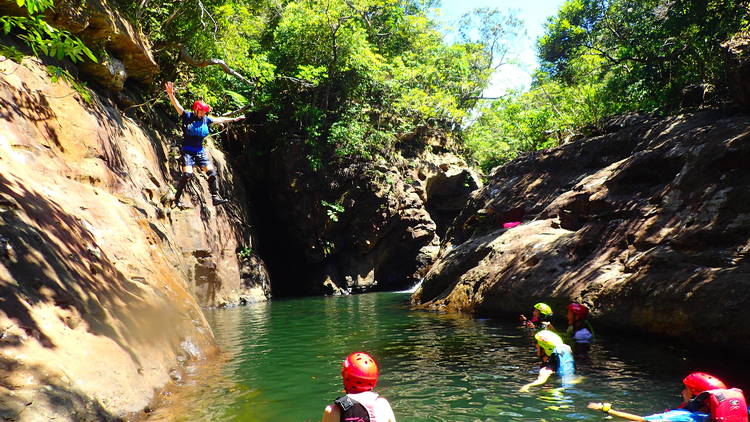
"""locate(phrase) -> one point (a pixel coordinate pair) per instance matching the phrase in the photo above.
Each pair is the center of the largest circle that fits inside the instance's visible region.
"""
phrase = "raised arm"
(606, 408)
(222, 120)
(169, 87)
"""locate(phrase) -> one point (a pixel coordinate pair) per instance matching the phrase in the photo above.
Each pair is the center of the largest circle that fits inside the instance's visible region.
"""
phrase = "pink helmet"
(201, 106)
(360, 372)
(578, 310)
(698, 382)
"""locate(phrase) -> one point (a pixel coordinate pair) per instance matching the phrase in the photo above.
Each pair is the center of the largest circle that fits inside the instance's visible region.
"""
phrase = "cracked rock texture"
(100, 280)
(647, 223)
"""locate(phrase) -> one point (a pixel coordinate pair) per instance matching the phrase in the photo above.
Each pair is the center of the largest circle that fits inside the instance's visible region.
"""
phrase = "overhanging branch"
(185, 55)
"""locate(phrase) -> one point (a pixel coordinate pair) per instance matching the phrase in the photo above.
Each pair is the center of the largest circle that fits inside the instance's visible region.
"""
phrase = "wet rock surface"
(647, 224)
(100, 279)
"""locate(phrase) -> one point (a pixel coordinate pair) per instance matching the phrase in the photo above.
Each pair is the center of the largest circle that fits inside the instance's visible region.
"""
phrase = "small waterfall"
(413, 288)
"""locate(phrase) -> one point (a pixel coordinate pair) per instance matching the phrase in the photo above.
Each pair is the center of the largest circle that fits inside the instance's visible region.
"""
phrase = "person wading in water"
(706, 398)
(360, 404)
(195, 129)
(556, 358)
(540, 319)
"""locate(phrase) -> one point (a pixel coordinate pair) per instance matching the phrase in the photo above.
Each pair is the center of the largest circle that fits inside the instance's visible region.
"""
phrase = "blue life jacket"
(194, 130)
(678, 415)
(563, 363)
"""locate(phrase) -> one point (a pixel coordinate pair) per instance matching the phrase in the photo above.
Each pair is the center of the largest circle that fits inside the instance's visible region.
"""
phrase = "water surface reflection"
(283, 365)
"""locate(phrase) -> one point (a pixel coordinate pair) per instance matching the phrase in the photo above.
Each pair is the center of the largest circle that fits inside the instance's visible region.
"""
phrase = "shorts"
(193, 159)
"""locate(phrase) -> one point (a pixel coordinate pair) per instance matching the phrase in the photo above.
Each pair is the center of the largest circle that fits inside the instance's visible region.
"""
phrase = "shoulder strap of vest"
(366, 402)
(344, 402)
(727, 405)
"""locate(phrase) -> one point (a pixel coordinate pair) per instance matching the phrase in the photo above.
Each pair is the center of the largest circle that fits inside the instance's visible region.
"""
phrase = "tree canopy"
(351, 77)
(347, 76)
(603, 57)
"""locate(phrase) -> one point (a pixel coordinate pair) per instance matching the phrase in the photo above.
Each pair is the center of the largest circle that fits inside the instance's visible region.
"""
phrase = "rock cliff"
(646, 223)
(100, 280)
(122, 51)
(351, 225)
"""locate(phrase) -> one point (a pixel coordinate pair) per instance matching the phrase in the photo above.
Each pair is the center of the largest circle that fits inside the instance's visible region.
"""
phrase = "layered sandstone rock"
(647, 224)
(121, 49)
(98, 278)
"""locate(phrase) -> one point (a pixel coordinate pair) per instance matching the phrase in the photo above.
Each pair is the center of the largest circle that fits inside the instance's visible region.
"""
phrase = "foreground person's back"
(360, 404)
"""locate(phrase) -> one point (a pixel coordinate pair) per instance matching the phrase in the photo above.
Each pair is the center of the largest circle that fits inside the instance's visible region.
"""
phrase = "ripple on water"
(285, 356)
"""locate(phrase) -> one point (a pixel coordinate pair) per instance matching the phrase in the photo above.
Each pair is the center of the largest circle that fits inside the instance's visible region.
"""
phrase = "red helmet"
(578, 310)
(698, 382)
(201, 106)
(360, 372)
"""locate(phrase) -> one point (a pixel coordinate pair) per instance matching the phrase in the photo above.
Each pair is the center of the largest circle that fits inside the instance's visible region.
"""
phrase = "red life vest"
(358, 407)
(727, 405)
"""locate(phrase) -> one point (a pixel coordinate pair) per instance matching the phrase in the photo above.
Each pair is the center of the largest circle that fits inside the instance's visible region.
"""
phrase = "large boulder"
(101, 282)
(647, 224)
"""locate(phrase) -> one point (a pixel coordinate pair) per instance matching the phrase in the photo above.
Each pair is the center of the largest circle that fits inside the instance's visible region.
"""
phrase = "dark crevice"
(289, 271)
(285, 257)
(644, 173)
(446, 197)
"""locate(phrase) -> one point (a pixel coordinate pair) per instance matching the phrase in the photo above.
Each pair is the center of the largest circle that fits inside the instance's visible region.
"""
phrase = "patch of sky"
(521, 60)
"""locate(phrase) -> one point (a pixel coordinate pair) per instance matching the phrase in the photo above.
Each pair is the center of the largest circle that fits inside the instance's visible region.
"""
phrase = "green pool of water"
(284, 357)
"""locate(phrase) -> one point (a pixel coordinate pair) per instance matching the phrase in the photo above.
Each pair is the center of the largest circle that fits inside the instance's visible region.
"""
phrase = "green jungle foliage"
(40, 37)
(349, 78)
(346, 77)
(603, 57)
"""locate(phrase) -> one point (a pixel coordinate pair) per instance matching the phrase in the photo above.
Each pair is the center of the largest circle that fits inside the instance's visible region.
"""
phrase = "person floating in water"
(579, 329)
(360, 404)
(556, 358)
(540, 319)
(195, 129)
(706, 397)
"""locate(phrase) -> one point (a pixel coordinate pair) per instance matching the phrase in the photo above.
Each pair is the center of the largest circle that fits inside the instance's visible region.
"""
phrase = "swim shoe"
(218, 200)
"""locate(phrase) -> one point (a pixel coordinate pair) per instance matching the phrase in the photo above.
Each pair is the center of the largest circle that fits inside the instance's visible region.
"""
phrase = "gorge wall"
(647, 223)
(100, 279)
(355, 225)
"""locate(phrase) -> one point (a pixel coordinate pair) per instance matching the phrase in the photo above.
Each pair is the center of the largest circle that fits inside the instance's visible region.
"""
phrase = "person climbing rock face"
(706, 397)
(360, 404)
(195, 129)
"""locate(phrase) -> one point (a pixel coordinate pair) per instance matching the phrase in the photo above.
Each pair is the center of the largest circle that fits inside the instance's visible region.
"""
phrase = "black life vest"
(360, 410)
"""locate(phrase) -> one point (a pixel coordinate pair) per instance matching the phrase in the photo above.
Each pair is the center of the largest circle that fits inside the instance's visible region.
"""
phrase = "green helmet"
(548, 341)
(543, 309)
